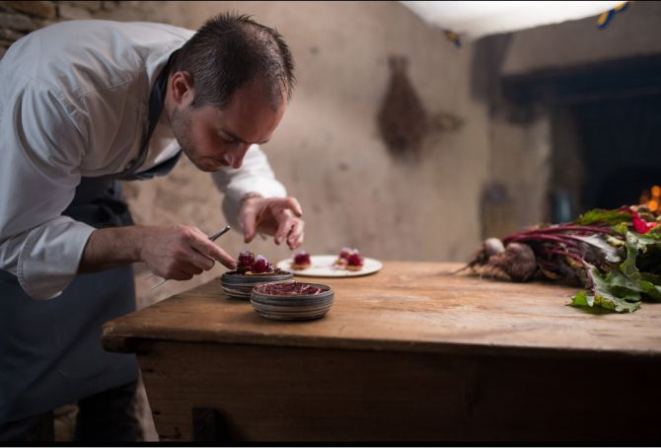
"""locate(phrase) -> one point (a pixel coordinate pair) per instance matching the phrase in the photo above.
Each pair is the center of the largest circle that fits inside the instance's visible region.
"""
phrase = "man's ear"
(181, 85)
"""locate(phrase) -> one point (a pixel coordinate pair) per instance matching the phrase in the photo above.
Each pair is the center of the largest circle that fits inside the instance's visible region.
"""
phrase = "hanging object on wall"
(402, 119)
(452, 37)
(606, 17)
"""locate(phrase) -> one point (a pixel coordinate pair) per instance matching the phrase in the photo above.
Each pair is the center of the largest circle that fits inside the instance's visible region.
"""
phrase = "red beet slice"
(355, 259)
(261, 265)
(302, 258)
(289, 289)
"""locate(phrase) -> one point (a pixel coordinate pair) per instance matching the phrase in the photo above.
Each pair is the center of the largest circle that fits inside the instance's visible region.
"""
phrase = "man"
(84, 104)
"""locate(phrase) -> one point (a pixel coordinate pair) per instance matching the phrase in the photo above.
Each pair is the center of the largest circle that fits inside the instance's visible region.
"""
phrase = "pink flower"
(639, 224)
(642, 226)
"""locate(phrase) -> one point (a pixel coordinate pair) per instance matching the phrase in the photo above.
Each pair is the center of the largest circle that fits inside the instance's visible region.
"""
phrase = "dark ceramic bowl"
(239, 286)
(292, 307)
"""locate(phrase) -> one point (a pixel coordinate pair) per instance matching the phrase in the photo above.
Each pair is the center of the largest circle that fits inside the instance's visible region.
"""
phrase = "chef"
(83, 105)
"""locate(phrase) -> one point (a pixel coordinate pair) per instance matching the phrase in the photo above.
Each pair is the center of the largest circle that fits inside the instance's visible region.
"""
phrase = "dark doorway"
(621, 149)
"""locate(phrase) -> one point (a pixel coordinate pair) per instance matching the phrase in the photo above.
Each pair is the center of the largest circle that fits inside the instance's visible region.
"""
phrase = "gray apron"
(50, 350)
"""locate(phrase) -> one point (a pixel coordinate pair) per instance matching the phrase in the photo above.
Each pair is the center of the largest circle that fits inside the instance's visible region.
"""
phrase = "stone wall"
(17, 18)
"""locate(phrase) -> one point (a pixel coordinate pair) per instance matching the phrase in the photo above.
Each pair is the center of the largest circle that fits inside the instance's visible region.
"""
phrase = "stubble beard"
(180, 122)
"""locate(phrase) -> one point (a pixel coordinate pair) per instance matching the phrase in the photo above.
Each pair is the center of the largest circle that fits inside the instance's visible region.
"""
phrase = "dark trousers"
(105, 417)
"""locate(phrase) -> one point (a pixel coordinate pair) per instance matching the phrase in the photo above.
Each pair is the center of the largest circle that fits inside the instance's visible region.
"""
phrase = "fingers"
(285, 224)
(295, 207)
(267, 215)
(205, 251)
(248, 220)
(291, 230)
(199, 260)
(181, 252)
(297, 243)
(179, 271)
(184, 271)
(295, 236)
(279, 205)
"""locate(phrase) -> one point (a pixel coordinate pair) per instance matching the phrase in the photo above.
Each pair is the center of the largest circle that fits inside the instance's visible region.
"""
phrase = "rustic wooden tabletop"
(408, 306)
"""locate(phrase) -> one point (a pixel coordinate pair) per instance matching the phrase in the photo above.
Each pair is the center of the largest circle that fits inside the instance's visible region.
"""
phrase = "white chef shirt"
(73, 103)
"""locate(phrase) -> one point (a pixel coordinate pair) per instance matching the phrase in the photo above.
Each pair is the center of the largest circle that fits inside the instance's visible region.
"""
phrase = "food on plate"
(251, 264)
(301, 261)
(261, 266)
(245, 261)
(349, 259)
(289, 289)
(354, 262)
(341, 261)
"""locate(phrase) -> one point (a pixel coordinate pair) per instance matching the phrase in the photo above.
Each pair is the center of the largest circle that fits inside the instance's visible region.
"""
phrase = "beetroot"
(355, 259)
(346, 252)
(302, 258)
(518, 261)
(289, 289)
(613, 254)
(246, 260)
(261, 265)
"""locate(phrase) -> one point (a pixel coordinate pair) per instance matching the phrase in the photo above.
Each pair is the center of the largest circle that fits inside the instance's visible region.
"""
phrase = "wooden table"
(410, 354)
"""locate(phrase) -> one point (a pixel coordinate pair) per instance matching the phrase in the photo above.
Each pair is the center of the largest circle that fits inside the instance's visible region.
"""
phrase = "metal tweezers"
(213, 237)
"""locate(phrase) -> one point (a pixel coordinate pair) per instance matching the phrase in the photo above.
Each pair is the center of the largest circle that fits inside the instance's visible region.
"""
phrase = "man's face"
(213, 138)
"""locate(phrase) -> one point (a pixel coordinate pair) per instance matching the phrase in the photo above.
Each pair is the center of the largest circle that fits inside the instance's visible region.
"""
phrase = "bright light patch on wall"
(475, 19)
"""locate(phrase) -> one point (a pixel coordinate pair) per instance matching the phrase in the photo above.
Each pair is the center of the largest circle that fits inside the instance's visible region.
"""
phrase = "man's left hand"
(277, 217)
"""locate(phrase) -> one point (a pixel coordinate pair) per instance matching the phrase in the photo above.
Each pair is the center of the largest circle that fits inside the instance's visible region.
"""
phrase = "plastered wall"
(328, 151)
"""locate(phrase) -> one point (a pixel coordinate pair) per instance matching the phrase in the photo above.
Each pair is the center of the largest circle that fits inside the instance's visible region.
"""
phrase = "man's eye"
(227, 138)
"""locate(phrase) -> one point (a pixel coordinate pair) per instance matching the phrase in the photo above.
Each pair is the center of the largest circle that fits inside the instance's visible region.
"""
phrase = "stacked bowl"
(239, 286)
(292, 301)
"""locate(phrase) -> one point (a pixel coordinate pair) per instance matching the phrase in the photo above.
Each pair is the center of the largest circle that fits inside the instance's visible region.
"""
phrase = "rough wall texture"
(328, 150)
(17, 18)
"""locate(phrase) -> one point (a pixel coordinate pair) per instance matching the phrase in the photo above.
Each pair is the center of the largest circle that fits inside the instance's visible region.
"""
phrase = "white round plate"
(322, 266)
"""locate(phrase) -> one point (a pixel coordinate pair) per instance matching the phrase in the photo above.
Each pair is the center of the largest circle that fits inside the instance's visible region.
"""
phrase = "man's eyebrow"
(233, 136)
(239, 139)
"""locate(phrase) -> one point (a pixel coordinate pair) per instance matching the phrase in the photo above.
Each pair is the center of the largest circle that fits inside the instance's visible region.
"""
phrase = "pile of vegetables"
(615, 255)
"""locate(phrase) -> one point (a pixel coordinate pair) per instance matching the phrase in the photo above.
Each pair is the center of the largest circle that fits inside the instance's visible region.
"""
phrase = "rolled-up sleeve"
(42, 146)
(254, 176)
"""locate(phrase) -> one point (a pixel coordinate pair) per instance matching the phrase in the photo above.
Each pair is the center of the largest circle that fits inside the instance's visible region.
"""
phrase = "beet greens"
(614, 254)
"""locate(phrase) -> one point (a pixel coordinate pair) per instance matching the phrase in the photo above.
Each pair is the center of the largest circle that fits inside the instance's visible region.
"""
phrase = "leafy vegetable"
(608, 217)
(614, 254)
(613, 292)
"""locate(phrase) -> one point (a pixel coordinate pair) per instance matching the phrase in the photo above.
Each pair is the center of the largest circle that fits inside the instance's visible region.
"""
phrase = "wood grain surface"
(291, 394)
(411, 354)
(407, 306)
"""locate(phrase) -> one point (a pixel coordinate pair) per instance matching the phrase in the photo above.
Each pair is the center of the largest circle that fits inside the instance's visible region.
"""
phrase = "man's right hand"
(180, 252)
(172, 252)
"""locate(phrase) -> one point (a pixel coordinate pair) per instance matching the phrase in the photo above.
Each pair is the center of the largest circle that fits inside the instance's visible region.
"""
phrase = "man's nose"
(236, 157)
